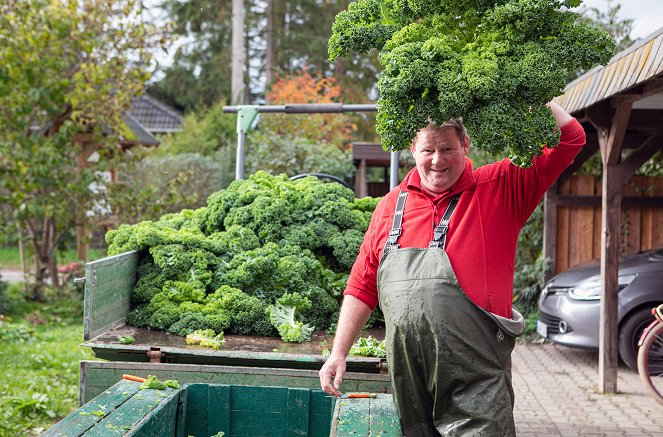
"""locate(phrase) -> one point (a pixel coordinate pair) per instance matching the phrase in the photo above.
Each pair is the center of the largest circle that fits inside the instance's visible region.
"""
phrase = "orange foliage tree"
(303, 87)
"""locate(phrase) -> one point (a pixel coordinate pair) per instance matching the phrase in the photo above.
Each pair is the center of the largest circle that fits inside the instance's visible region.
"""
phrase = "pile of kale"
(494, 63)
(263, 252)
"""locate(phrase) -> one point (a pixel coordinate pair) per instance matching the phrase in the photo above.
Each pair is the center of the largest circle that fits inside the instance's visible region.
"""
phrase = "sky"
(647, 14)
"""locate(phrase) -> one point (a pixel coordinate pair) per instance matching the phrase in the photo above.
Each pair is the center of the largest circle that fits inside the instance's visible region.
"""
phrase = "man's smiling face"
(440, 157)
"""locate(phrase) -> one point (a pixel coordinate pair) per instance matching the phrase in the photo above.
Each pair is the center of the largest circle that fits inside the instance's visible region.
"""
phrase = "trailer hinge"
(382, 365)
(155, 355)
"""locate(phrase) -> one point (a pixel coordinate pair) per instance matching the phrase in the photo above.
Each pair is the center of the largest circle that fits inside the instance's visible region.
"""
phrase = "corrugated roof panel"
(632, 71)
(606, 76)
(656, 57)
(625, 70)
(644, 61)
(586, 99)
(616, 81)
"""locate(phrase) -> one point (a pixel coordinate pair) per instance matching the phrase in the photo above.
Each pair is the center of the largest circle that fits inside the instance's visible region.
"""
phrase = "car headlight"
(590, 289)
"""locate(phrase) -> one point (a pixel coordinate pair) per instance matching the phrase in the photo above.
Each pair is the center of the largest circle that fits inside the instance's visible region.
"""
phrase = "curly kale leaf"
(206, 338)
(290, 330)
(369, 347)
(493, 63)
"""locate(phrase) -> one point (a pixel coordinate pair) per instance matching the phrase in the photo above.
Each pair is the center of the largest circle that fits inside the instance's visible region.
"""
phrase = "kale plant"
(493, 63)
(264, 242)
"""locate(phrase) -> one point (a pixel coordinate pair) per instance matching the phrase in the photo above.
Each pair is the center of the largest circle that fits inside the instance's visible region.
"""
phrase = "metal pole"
(246, 114)
(393, 176)
(239, 164)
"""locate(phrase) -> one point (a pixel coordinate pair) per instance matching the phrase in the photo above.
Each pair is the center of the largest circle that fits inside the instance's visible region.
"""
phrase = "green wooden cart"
(228, 410)
(249, 362)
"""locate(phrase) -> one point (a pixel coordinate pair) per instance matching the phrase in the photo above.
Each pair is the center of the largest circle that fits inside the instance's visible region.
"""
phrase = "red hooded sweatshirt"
(495, 202)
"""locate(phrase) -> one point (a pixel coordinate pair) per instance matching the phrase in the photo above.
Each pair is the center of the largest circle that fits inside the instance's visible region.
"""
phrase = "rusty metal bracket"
(382, 365)
(155, 355)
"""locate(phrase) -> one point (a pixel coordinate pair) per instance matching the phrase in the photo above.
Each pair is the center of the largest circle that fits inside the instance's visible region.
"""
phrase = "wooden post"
(362, 183)
(550, 232)
(610, 144)
(608, 335)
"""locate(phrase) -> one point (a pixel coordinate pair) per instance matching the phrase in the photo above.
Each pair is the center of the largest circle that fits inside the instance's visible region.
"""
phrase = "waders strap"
(440, 231)
(396, 230)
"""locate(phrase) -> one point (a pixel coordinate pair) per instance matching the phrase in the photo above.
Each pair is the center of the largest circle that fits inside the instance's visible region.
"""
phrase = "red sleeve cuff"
(367, 298)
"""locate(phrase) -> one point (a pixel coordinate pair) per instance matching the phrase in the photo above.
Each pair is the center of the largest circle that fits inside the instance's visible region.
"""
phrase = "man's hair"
(454, 123)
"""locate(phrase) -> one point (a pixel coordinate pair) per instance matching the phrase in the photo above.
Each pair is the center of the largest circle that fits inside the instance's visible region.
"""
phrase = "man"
(439, 256)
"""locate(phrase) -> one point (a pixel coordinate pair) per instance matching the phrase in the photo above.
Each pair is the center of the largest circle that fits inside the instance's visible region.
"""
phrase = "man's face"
(440, 158)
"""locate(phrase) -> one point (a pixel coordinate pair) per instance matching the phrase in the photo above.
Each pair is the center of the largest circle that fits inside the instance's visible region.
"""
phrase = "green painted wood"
(181, 412)
(108, 285)
(384, 420)
(352, 417)
(162, 420)
(197, 410)
(218, 408)
(258, 411)
(270, 399)
(130, 413)
(97, 376)
(94, 411)
(321, 409)
(366, 417)
(298, 411)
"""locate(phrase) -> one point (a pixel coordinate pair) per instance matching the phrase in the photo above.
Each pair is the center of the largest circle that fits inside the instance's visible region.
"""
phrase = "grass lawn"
(9, 256)
(39, 361)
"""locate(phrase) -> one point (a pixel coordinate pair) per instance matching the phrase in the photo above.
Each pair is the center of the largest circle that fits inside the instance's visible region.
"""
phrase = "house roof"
(155, 116)
(627, 69)
(138, 134)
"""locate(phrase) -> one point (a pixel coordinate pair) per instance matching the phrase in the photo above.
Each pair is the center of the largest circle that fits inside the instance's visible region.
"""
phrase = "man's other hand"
(334, 369)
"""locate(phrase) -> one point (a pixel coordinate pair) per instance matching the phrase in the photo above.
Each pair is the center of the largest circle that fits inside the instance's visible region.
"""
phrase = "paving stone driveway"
(557, 395)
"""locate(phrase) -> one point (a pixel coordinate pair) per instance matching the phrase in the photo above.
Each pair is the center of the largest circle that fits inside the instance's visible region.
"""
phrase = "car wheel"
(629, 334)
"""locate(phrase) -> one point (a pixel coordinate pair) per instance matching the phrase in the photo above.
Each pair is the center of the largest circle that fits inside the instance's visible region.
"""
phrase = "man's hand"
(561, 116)
(354, 314)
(334, 368)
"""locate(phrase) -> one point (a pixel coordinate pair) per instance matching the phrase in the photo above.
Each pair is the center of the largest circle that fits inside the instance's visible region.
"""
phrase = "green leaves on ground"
(369, 347)
(153, 382)
(494, 63)
(263, 240)
(283, 318)
(206, 338)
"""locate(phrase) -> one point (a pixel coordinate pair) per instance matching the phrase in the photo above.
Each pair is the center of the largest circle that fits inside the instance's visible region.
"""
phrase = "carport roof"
(627, 69)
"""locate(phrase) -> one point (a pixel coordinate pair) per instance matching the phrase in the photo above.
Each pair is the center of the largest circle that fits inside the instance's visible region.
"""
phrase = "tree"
(303, 87)
(200, 73)
(68, 71)
(606, 19)
(282, 36)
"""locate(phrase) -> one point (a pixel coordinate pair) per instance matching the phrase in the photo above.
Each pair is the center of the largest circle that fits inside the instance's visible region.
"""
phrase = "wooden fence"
(578, 235)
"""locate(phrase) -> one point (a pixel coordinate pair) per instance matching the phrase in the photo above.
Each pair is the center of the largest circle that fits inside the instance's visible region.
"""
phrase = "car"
(570, 303)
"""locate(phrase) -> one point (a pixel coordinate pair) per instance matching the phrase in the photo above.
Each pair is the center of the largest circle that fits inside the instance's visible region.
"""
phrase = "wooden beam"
(599, 115)
(636, 159)
(611, 145)
(646, 119)
(627, 202)
(650, 87)
(550, 231)
(608, 334)
(590, 148)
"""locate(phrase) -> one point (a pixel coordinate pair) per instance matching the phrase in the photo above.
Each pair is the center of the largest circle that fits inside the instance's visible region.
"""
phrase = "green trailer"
(230, 411)
(241, 362)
